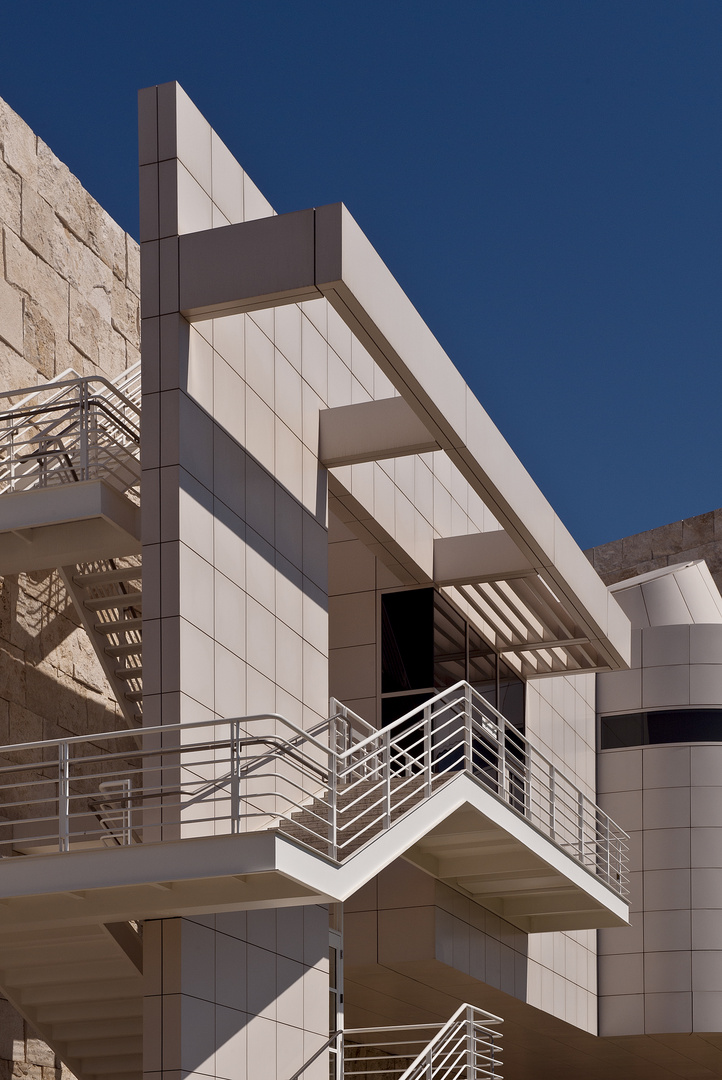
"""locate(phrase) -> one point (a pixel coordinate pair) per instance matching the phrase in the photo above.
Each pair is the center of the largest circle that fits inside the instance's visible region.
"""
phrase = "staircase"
(108, 598)
(82, 989)
(466, 1047)
(360, 813)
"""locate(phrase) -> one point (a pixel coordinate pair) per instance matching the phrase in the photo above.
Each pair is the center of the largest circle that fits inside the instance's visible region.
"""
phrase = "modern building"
(301, 674)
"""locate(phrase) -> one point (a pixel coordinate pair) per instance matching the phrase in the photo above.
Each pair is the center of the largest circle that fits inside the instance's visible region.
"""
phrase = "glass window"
(427, 646)
(664, 726)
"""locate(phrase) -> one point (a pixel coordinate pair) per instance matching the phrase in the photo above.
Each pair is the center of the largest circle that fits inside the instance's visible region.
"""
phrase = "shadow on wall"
(243, 994)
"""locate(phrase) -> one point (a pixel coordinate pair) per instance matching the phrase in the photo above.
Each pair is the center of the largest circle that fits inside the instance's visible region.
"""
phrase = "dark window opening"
(427, 646)
(669, 726)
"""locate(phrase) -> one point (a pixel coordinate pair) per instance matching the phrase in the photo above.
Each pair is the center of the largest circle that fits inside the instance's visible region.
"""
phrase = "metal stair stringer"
(82, 991)
(108, 598)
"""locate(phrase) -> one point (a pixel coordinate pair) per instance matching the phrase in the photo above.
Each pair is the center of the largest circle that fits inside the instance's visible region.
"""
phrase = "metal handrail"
(334, 793)
(72, 429)
(466, 1047)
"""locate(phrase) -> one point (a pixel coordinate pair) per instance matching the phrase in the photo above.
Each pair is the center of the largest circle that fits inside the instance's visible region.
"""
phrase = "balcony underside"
(64, 525)
(461, 833)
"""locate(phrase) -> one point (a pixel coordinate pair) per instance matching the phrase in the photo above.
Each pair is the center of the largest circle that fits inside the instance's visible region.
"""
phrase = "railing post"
(387, 779)
(84, 429)
(580, 814)
(428, 737)
(63, 797)
(470, 1062)
(235, 778)
(468, 742)
(608, 844)
(333, 802)
(552, 802)
(501, 754)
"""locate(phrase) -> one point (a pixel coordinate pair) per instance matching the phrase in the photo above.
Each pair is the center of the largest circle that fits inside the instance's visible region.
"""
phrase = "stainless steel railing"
(466, 1047)
(72, 429)
(333, 789)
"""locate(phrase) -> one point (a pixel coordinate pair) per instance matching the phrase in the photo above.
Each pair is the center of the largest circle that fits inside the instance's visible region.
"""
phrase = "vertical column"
(241, 996)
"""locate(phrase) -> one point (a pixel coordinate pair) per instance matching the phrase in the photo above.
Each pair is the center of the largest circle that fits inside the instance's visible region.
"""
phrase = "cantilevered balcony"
(235, 814)
(70, 471)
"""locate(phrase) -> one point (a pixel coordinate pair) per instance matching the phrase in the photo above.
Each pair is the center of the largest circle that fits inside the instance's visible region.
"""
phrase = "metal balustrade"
(333, 789)
(466, 1047)
(72, 429)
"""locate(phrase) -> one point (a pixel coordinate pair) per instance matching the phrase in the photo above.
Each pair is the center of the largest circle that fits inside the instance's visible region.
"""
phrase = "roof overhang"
(323, 253)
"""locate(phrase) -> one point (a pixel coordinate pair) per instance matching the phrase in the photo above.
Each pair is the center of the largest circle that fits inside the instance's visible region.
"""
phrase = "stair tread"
(129, 672)
(103, 577)
(131, 648)
(115, 625)
(111, 603)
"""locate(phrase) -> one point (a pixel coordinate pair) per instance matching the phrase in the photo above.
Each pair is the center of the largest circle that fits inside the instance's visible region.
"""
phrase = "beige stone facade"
(69, 287)
(692, 538)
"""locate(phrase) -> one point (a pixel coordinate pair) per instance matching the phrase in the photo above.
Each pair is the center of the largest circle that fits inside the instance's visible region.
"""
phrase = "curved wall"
(663, 974)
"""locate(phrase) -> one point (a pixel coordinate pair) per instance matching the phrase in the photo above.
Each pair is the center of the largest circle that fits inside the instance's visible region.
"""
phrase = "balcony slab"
(461, 833)
(65, 525)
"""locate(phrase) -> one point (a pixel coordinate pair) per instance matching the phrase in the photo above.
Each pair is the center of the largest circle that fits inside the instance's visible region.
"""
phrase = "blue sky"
(543, 178)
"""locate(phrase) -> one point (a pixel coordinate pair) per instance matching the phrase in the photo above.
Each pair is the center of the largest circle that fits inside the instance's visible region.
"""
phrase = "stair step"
(129, 672)
(133, 695)
(113, 626)
(108, 577)
(119, 600)
(131, 649)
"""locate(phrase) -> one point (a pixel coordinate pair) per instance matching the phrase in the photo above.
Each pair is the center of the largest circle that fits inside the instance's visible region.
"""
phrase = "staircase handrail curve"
(65, 376)
(429, 703)
(160, 729)
(70, 377)
(457, 1020)
(65, 385)
(442, 698)
(481, 1019)
(32, 417)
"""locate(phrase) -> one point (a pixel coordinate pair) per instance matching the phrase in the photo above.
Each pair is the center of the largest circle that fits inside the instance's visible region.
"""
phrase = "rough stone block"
(667, 540)
(18, 143)
(125, 309)
(636, 549)
(43, 231)
(39, 1053)
(84, 329)
(698, 530)
(10, 199)
(24, 1070)
(12, 1033)
(11, 316)
(608, 556)
(39, 340)
(132, 265)
(19, 262)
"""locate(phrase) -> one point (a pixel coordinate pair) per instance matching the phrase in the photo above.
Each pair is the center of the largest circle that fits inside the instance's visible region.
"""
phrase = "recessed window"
(669, 726)
(427, 645)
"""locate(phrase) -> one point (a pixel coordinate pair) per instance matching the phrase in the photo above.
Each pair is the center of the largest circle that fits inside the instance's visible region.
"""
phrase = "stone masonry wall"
(69, 287)
(693, 538)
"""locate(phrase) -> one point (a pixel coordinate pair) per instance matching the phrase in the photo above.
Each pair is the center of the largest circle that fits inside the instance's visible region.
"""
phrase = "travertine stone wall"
(22, 1055)
(69, 287)
(693, 538)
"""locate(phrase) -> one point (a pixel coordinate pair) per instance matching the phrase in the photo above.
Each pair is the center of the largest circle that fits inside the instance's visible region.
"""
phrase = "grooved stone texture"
(69, 289)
